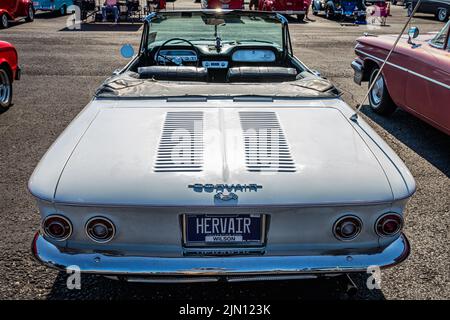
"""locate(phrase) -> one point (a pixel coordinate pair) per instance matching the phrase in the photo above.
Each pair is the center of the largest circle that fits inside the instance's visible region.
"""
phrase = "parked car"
(340, 9)
(59, 6)
(440, 8)
(285, 7)
(416, 78)
(176, 171)
(222, 4)
(9, 71)
(14, 10)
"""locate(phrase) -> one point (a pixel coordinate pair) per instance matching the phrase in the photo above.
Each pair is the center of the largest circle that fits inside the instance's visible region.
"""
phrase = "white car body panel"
(108, 154)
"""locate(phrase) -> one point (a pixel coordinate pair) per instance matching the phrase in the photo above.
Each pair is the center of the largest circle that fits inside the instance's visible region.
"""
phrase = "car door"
(428, 84)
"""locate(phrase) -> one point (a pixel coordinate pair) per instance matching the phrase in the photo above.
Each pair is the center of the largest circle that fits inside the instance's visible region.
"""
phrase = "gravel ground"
(62, 70)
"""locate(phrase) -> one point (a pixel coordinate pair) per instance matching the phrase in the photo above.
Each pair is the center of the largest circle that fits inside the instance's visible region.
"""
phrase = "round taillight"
(347, 228)
(57, 227)
(389, 224)
(100, 229)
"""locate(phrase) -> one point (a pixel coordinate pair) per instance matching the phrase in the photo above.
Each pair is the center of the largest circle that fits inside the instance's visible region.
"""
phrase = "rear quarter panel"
(372, 51)
(8, 56)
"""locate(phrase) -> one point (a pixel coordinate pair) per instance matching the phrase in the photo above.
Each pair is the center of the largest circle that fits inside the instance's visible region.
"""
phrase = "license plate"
(220, 230)
(225, 6)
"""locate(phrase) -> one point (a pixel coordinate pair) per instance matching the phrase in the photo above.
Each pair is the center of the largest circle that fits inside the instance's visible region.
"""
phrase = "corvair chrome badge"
(209, 187)
(225, 193)
(225, 196)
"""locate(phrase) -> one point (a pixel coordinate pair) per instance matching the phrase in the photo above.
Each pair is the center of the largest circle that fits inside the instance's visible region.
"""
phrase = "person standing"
(307, 5)
(253, 4)
(108, 6)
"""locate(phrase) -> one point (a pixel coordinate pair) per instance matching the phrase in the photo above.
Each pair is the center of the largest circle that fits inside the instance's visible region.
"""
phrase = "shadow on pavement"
(99, 288)
(46, 15)
(107, 27)
(428, 142)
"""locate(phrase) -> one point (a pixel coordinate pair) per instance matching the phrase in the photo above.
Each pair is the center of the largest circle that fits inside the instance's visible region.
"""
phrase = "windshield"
(198, 27)
(441, 37)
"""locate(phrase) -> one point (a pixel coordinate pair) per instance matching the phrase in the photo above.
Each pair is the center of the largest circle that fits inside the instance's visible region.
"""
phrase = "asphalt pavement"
(61, 70)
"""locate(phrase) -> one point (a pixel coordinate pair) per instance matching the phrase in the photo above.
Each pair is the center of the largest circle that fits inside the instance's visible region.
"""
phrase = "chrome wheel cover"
(5, 88)
(376, 93)
(442, 14)
(4, 21)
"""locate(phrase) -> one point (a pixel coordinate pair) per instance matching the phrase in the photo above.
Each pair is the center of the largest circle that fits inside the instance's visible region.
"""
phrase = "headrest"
(177, 73)
(261, 74)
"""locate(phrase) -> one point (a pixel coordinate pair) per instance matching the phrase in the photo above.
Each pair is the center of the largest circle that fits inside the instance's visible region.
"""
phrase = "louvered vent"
(181, 146)
(266, 148)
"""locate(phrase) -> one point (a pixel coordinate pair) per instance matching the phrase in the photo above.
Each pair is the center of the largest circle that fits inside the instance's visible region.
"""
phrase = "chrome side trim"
(118, 263)
(405, 69)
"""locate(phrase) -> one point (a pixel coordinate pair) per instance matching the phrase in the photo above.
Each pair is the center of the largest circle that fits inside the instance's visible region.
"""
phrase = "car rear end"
(232, 205)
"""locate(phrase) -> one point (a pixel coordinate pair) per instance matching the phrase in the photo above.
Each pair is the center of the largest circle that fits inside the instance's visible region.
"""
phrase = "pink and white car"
(416, 77)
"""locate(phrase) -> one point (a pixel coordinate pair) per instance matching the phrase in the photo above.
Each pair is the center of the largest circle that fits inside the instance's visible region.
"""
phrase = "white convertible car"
(217, 154)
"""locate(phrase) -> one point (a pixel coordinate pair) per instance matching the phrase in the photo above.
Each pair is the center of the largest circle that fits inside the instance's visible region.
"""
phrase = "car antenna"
(354, 117)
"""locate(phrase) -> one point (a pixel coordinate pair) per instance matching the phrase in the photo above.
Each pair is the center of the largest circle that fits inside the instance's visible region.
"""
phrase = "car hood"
(386, 41)
(264, 156)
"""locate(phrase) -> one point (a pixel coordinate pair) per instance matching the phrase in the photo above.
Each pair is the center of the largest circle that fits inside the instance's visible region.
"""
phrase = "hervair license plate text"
(220, 230)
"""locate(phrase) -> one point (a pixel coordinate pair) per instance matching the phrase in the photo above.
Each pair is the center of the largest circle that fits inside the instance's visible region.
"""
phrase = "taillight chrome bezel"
(340, 220)
(45, 229)
(87, 229)
(384, 216)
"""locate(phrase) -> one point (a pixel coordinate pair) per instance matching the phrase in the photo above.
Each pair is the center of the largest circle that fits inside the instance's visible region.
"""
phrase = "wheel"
(329, 13)
(300, 17)
(63, 10)
(4, 21)
(329, 10)
(315, 12)
(5, 88)
(442, 14)
(379, 99)
(30, 14)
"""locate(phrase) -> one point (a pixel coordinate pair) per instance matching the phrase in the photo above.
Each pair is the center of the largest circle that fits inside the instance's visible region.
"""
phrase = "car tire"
(379, 99)
(442, 14)
(63, 10)
(300, 17)
(329, 11)
(30, 14)
(4, 23)
(6, 89)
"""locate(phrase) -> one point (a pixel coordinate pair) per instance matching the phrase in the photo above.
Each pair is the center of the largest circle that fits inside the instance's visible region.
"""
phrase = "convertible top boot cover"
(174, 73)
(261, 74)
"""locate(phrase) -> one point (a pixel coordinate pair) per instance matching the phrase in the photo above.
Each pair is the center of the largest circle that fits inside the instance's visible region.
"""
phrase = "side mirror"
(127, 51)
(413, 33)
(116, 72)
(317, 73)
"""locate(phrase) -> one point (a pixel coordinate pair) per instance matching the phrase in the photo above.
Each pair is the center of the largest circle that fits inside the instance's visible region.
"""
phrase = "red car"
(9, 71)
(13, 10)
(416, 77)
(288, 7)
(222, 4)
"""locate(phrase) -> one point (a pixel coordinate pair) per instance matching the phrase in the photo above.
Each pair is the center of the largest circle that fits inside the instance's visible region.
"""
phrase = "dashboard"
(215, 60)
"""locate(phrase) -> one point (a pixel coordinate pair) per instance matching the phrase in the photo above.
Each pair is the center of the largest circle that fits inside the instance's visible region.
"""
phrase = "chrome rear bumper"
(236, 268)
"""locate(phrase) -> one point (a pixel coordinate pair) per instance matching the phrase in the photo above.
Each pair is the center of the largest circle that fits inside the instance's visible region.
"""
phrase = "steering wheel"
(165, 58)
